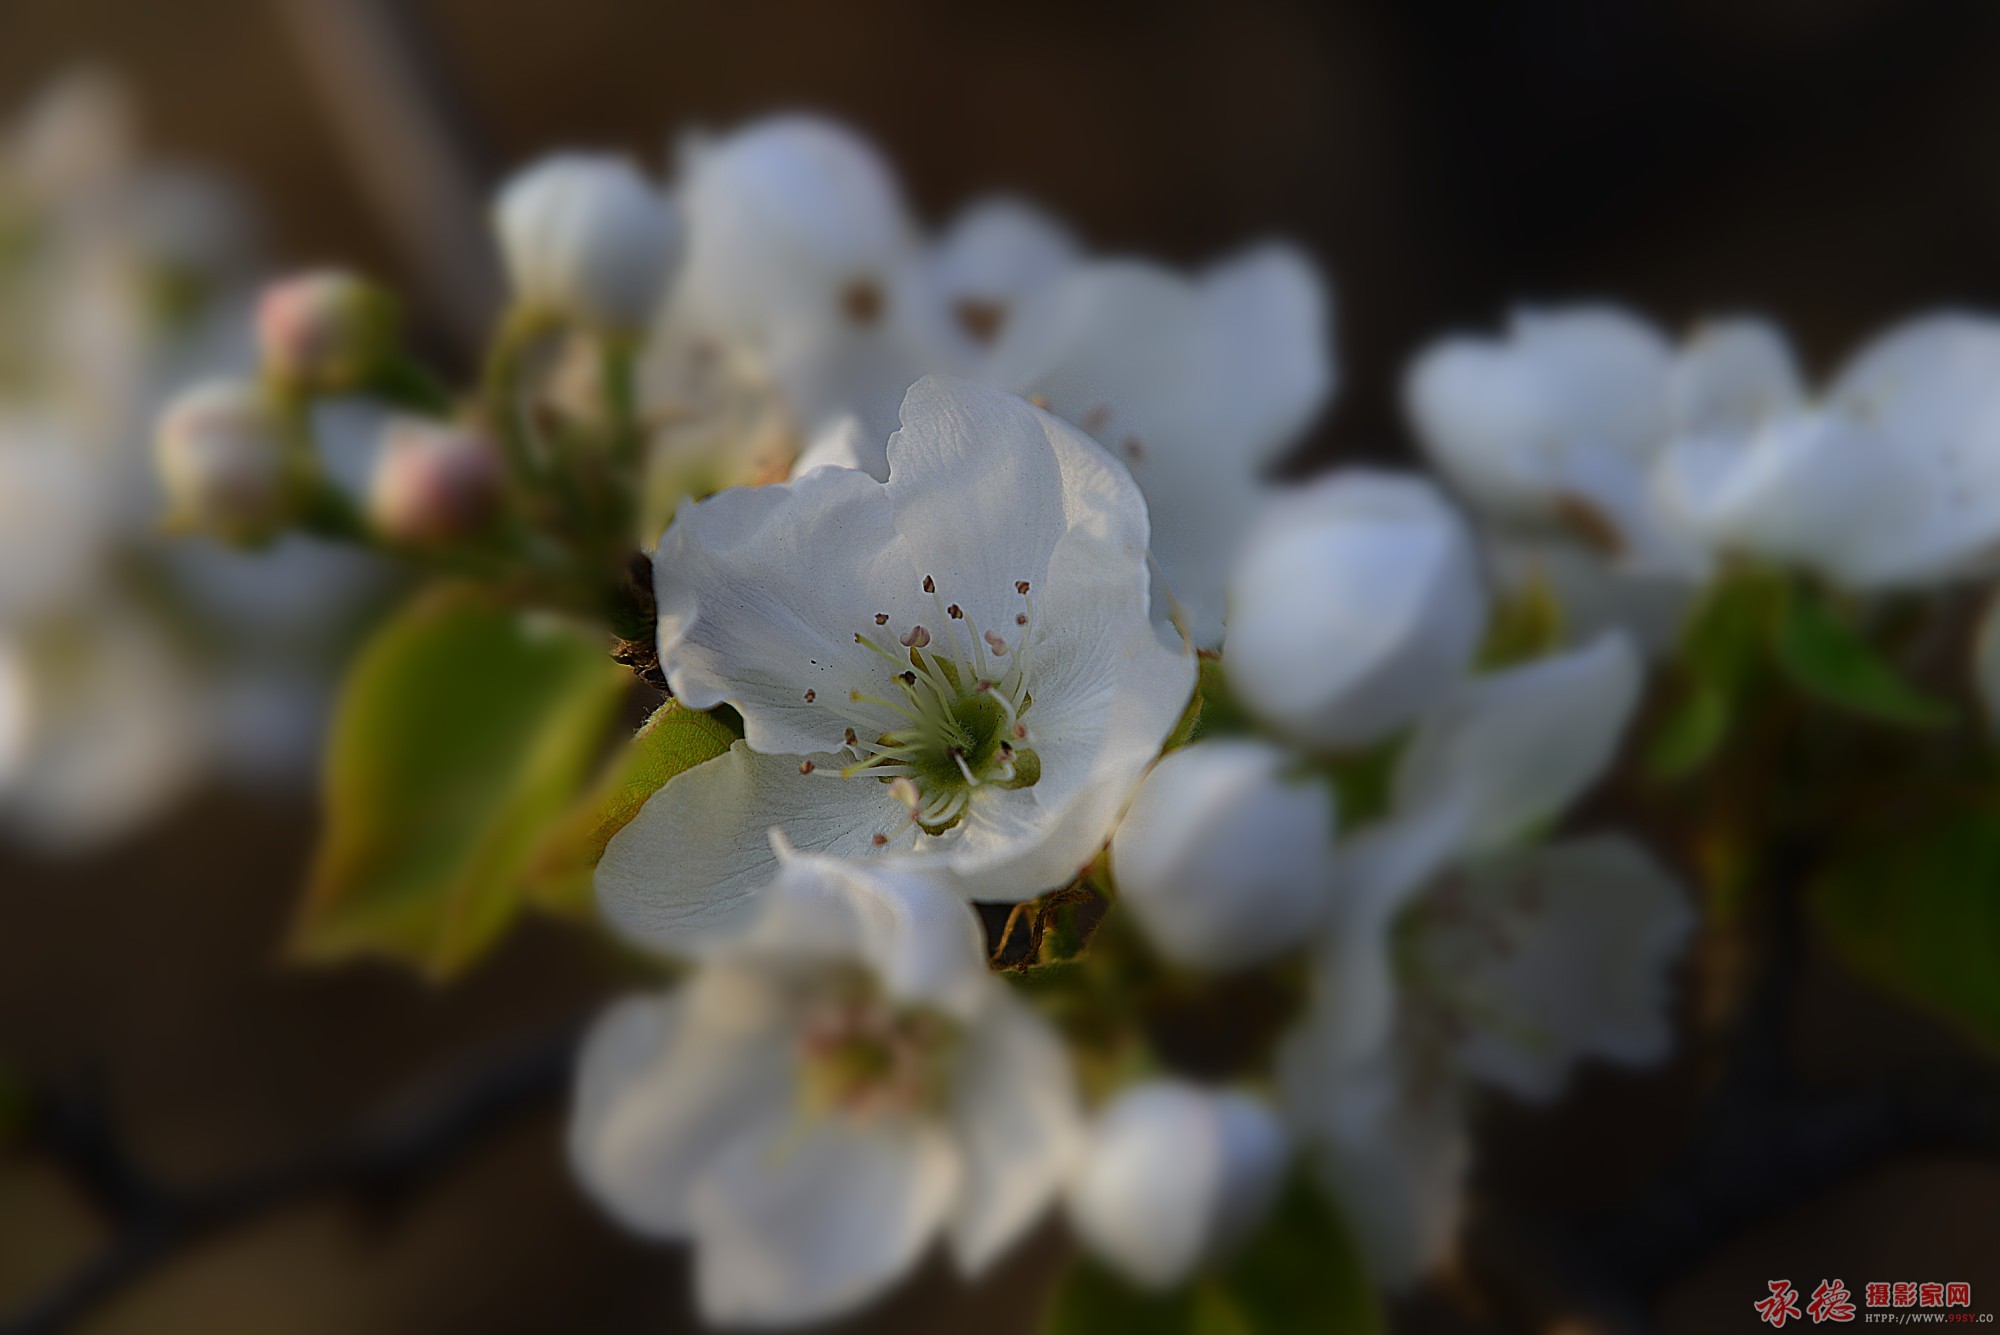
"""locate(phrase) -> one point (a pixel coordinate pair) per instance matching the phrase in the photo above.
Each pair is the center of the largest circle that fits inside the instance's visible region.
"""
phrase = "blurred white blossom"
(587, 238)
(1173, 1176)
(1356, 604)
(837, 1086)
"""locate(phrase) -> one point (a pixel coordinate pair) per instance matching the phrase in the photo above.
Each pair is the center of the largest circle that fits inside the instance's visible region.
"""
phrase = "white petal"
(1222, 862)
(690, 868)
(761, 593)
(1519, 746)
(1734, 376)
(1553, 954)
(1931, 387)
(663, 1082)
(1274, 321)
(797, 1222)
(911, 927)
(1015, 1115)
(1357, 604)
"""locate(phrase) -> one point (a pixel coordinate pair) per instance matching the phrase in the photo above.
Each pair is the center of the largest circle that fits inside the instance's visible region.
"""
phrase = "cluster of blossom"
(971, 539)
(127, 666)
(958, 642)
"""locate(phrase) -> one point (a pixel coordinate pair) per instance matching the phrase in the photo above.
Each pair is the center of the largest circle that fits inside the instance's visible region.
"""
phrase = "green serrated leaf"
(1301, 1272)
(1917, 910)
(1827, 657)
(463, 733)
(674, 739)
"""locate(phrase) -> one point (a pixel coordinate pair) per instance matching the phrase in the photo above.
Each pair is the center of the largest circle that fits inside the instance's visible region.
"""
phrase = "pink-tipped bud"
(435, 484)
(325, 331)
(220, 453)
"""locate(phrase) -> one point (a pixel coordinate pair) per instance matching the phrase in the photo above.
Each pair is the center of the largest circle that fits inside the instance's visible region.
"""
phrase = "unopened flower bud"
(1224, 863)
(325, 331)
(220, 452)
(1357, 604)
(1173, 1177)
(435, 484)
(587, 238)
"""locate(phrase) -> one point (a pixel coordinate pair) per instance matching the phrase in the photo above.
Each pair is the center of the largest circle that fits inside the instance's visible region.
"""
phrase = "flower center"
(964, 695)
(864, 1057)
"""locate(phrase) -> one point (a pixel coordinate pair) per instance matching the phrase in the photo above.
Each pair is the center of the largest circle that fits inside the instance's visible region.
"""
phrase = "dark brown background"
(1832, 162)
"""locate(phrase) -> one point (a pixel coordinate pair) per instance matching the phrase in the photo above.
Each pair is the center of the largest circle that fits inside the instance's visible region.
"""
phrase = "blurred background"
(1831, 163)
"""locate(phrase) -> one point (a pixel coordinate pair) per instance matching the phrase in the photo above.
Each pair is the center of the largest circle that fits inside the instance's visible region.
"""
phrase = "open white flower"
(1223, 862)
(1454, 954)
(1198, 385)
(959, 662)
(587, 237)
(1174, 1176)
(1886, 482)
(1357, 604)
(842, 1084)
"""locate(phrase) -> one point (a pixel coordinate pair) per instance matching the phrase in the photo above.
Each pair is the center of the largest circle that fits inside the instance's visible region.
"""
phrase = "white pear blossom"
(1883, 482)
(1198, 385)
(1356, 604)
(586, 237)
(1455, 955)
(1221, 860)
(959, 662)
(1173, 1176)
(842, 1083)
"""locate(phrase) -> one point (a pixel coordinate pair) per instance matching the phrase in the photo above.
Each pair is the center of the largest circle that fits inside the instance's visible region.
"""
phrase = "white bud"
(325, 331)
(435, 484)
(587, 238)
(1357, 604)
(1222, 861)
(220, 451)
(1173, 1177)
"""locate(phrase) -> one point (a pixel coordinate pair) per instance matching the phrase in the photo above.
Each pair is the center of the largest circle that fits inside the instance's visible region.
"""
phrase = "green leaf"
(1917, 910)
(1825, 656)
(1692, 731)
(463, 734)
(674, 739)
(1301, 1272)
